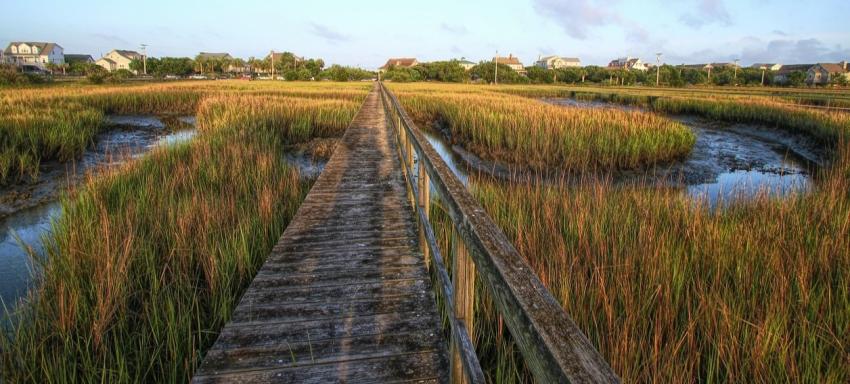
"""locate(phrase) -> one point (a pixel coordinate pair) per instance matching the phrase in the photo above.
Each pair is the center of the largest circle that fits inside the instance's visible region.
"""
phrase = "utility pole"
(496, 61)
(736, 72)
(709, 72)
(272, 56)
(763, 69)
(657, 69)
(145, 59)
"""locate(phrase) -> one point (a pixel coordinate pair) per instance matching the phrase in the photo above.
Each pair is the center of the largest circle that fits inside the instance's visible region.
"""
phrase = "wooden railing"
(553, 347)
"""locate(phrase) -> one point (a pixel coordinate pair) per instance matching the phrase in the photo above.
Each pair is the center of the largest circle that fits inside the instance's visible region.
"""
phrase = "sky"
(365, 33)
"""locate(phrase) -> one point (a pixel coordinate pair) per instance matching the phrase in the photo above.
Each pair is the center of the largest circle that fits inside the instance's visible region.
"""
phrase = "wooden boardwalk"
(345, 295)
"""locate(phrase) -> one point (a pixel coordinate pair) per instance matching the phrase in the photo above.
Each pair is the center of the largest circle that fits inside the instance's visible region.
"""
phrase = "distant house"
(628, 63)
(557, 62)
(781, 76)
(404, 62)
(511, 61)
(118, 59)
(466, 64)
(77, 58)
(823, 73)
(767, 66)
(33, 54)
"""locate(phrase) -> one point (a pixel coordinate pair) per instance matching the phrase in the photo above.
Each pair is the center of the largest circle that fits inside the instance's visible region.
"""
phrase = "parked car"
(34, 70)
(198, 77)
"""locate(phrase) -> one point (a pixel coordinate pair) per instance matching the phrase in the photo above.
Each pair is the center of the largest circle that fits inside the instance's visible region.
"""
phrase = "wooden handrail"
(553, 346)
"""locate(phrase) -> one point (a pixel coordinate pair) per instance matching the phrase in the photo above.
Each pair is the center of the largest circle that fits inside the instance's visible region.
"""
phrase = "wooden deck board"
(345, 295)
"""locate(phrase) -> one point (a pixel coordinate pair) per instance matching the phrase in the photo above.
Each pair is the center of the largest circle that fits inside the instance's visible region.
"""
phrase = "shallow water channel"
(727, 161)
(28, 220)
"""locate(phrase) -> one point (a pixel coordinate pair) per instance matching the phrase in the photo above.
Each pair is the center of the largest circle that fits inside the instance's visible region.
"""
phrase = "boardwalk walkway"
(344, 295)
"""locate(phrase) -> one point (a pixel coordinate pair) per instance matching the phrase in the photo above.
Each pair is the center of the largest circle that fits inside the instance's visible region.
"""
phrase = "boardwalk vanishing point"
(344, 296)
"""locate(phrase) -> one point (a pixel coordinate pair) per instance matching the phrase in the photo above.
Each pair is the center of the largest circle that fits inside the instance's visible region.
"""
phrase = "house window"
(14, 49)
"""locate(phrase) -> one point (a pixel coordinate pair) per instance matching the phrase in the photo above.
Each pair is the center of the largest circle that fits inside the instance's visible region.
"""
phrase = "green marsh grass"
(149, 259)
(672, 289)
(530, 133)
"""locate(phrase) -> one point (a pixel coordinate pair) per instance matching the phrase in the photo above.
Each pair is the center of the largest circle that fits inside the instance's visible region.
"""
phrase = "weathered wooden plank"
(287, 354)
(344, 296)
(346, 276)
(320, 310)
(425, 367)
(271, 334)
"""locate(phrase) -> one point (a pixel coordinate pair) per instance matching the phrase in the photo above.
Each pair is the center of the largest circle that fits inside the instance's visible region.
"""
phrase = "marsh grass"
(149, 259)
(767, 109)
(529, 133)
(61, 122)
(675, 289)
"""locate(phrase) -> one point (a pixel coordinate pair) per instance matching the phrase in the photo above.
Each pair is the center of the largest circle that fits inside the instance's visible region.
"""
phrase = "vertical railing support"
(425, 205)
(463, 280)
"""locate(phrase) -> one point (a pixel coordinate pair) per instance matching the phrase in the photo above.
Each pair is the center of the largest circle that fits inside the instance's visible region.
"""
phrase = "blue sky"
(365, 32)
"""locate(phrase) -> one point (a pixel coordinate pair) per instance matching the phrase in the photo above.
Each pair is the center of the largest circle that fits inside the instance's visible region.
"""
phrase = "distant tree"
(447, 71)
(570, 74)
(340, 73)
(540, 75)
(174, 66)
(11, 75)
(596, 74)
(96, 74)
(723, 77)
(839, 79)
(302, 74)
(79, 68)
(694, 76)
(797, 78)
(486, 72)
(314, 66)
(403, 75)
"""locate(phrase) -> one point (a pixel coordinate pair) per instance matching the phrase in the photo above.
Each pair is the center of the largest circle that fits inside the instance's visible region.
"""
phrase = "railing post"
(425, 205)
(463, 280)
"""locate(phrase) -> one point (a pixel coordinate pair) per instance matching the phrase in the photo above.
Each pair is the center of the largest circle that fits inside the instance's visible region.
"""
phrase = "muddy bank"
(126, 137)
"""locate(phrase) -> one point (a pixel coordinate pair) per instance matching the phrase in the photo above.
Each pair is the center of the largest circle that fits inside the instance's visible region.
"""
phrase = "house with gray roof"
(37, 54)
(78, 58)
(824, 73)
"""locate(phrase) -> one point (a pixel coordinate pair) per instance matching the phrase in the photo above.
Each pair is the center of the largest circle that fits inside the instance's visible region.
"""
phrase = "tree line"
(668, 75)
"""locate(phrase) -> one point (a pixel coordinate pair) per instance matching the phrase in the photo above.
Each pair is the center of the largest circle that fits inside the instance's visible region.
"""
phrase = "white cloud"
(328, 34)
(707, 12)
(577, 17)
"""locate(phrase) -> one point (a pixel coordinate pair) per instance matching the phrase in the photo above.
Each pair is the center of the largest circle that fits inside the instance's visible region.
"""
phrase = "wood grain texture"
(345, 295)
